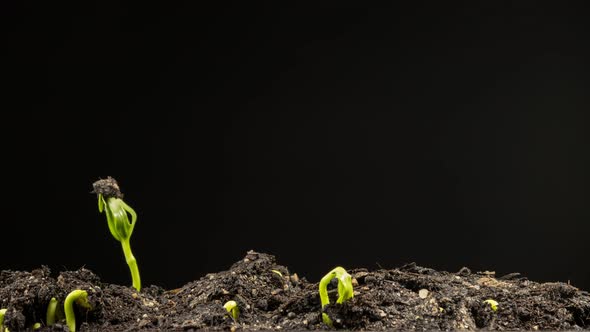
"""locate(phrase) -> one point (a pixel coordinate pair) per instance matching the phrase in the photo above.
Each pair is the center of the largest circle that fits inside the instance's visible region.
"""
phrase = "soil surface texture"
(270, 297)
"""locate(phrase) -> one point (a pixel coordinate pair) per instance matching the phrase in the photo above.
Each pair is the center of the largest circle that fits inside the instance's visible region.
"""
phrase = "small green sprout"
(110, 200)
(80, 297)
(493, 304)
(2, 313)
(277, 272)
(51, 312)
(232, 309)
(345, 290)
(36, 326)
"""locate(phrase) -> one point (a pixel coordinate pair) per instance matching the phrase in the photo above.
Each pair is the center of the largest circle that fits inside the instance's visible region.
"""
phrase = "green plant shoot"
(493, 304)
(51, 312)
(345, 290)
(2, 313)
(110, 201)
(232, 309)
(80, 297)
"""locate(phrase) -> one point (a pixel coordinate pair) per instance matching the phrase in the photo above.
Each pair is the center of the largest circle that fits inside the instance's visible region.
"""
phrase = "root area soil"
(270, 297)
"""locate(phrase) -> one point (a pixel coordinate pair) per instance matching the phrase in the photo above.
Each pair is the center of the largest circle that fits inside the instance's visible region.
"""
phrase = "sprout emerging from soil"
(2, 313)
(345, 290)
(110, 199)
(80, 297)
(51, 312)
(493, 304)
(36, 326)
(232, 309)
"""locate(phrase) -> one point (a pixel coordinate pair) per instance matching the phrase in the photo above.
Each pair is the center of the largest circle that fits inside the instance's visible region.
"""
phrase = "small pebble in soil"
(423, 293)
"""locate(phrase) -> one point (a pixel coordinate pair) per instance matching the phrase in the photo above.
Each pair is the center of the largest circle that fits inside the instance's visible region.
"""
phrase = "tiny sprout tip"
(2, 313)
(232, 309)
(51, 312)
(493, 304)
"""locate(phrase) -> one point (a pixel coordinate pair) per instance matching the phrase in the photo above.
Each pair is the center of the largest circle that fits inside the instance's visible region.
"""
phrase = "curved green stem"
(345, 290)
(132, 262)
(81, 298)
(51, 308)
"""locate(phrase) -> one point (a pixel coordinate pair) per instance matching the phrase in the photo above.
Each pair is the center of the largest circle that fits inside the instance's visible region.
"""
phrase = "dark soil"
(407, 298)
(107, 187)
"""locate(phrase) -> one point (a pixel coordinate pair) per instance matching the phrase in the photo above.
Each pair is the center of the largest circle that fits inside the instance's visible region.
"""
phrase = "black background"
(332, 134)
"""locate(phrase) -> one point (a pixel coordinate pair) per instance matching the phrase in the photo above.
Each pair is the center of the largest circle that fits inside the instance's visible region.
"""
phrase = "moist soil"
(271, 297)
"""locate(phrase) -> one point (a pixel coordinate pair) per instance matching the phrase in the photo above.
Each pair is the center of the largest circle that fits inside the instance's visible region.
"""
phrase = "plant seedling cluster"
(79, 297)
(110, 201)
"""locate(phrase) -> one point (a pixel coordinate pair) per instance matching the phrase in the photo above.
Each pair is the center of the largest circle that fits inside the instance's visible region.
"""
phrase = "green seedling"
(110, 200)
(493, 304)
(80, 297)
(36, 326)
(50, 317)
(277, 272)
(345, 290)
(2, 313)
(232, 309)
